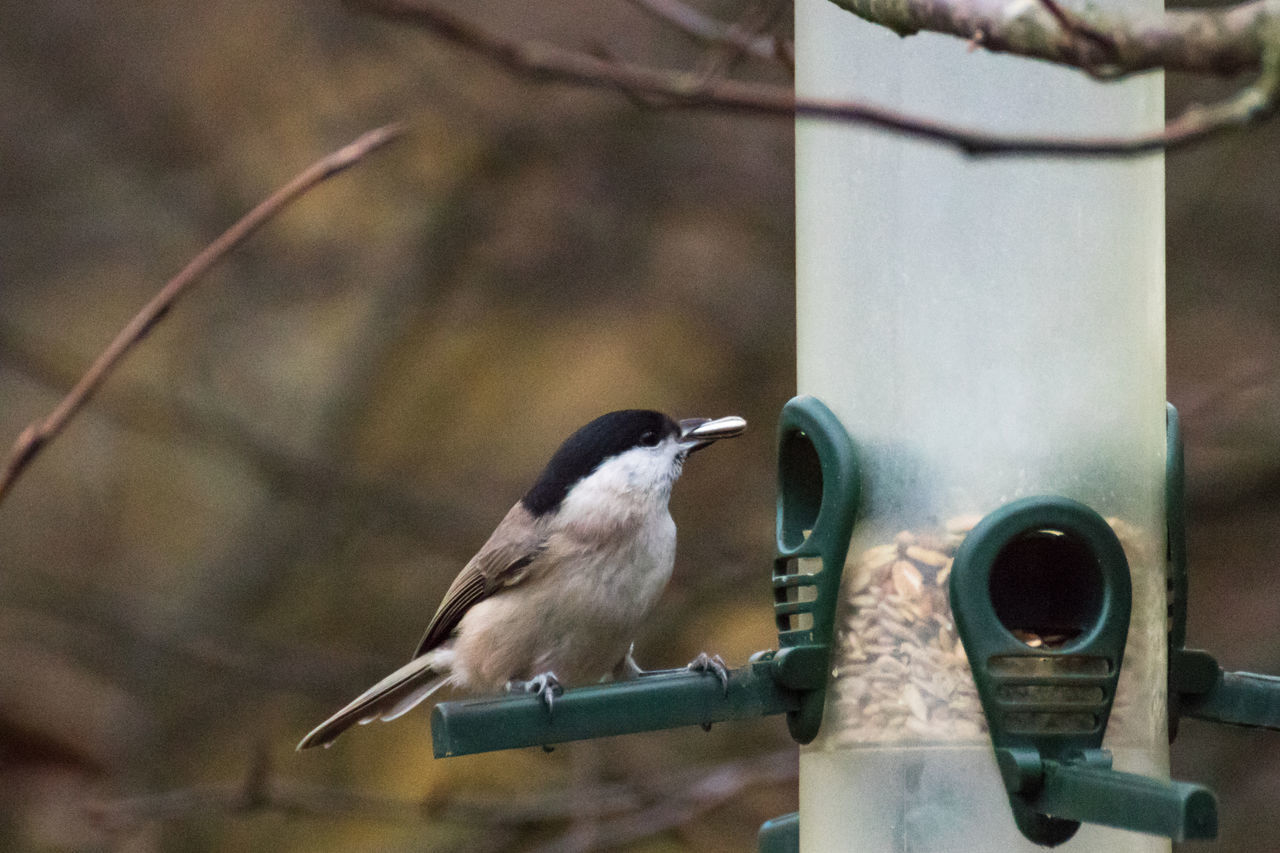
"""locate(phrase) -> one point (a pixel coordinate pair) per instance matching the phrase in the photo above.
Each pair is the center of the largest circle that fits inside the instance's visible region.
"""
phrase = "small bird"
(556, 594)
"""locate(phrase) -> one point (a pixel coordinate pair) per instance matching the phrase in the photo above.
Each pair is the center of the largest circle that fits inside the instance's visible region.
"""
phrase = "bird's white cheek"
(635, 483)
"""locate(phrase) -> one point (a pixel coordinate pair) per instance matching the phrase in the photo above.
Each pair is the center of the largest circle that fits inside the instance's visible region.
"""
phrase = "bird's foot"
(544, 685)
(714, 665)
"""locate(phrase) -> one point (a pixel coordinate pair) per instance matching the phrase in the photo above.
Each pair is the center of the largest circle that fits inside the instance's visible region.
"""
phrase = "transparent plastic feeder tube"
(985, 329)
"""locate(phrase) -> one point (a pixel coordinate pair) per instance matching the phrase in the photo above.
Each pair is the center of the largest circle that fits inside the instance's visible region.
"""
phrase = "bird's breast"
(578, 617)
(634, 569)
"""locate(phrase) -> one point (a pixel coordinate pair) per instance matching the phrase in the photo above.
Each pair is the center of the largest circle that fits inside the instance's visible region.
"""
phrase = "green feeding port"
(800, 484)
(818, 490)
(1041, 594)
(1046, 584)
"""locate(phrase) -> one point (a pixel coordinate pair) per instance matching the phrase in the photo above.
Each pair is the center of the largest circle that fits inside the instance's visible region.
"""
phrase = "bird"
(556, 594)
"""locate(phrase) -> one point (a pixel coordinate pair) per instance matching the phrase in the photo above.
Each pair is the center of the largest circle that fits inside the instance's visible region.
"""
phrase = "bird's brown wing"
(503, 561)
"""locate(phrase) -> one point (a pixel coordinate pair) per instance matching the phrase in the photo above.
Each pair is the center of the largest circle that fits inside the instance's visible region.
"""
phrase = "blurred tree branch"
(326, 672)
(705, 28)
(632, 810)
(327, 481)
(690, 799)
(38, 434)
(1217, 41)
(1258, 44)
(259, 791)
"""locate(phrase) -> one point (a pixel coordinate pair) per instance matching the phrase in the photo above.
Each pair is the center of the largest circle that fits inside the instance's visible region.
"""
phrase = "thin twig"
(38, 434)
(695, 23)
(686, 90)
(726, 53)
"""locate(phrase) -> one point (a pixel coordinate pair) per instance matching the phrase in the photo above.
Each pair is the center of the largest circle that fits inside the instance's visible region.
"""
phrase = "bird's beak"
(697, 433)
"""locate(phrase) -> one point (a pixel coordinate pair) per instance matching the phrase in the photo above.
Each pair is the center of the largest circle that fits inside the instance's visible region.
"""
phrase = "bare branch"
(759, 17)
(37, 435)
(1226, 40)
(1075, 27)
(695, 23)
(687, 90)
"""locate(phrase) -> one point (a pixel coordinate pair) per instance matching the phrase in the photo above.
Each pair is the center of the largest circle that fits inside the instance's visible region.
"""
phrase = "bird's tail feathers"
(390, 698)
(411, 701)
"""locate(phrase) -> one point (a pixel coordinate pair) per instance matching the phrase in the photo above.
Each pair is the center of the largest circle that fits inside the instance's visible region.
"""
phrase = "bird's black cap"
(582, 452)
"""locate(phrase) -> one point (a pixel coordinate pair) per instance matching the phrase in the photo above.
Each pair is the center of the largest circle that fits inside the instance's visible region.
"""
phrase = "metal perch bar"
(662, 699)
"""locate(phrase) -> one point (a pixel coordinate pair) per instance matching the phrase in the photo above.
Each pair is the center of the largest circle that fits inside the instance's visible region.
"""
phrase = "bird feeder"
(979, 579)
(1041, 591)
(990, 333)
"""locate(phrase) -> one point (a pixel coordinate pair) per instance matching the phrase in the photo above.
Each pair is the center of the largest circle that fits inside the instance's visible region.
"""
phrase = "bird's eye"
(649, 438)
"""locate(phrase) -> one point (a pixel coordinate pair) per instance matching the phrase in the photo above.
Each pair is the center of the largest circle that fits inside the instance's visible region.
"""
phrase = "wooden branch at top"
(1222, 40)
(1225, 40)
(688, 90)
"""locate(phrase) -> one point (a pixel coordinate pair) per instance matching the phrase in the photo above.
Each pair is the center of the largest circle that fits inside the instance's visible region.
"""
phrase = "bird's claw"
(544, 685)
(713, 664)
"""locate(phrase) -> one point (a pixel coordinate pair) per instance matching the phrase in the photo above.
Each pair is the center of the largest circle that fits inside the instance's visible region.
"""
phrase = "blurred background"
(256, 517)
